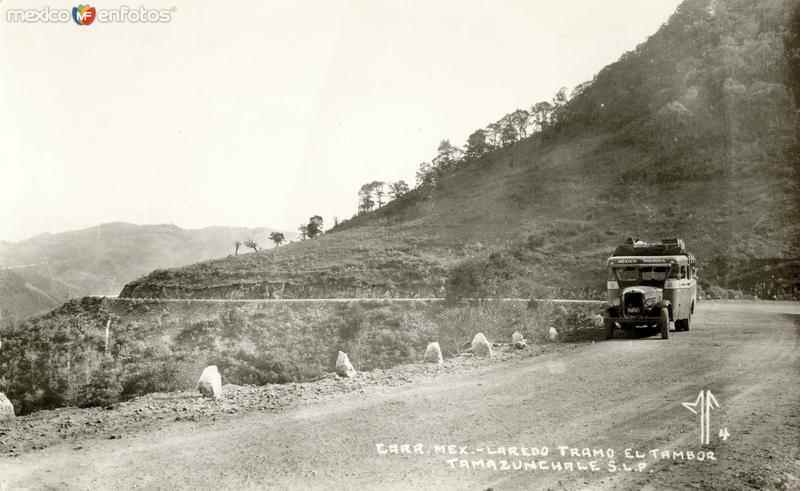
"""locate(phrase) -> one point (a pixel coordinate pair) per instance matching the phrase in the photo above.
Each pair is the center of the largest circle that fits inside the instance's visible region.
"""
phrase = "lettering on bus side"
(644, 260)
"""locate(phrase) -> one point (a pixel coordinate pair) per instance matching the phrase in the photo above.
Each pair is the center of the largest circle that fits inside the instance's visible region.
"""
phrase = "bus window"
(627, 274)
(683, 273)
(654, 273)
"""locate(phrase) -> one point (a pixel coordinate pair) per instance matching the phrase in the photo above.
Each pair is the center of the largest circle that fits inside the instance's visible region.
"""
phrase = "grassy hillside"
(46, 270)
(692, 134)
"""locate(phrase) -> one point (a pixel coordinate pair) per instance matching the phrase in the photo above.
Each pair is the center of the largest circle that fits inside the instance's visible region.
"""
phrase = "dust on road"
(623, 395)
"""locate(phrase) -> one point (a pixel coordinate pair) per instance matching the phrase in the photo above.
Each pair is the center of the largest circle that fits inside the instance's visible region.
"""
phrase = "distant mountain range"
(40, 273)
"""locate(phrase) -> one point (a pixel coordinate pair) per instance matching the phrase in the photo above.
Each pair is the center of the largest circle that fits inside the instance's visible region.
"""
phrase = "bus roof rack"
(635, 247)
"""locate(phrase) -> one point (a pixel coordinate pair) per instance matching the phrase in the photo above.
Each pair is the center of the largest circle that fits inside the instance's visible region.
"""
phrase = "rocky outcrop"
(6, 409)
(277, 290)
(553, 333)
(433, 354)
(517, 341)
(481, 346)
(343, 366)
(210, 384)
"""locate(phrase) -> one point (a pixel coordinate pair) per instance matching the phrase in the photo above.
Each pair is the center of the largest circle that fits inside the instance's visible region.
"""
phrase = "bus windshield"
(641, 273)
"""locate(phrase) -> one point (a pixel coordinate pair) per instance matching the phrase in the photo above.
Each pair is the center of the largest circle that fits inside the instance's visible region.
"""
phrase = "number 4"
(723, 433)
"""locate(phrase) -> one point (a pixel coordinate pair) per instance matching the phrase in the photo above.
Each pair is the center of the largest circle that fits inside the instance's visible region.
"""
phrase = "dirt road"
(620, 394)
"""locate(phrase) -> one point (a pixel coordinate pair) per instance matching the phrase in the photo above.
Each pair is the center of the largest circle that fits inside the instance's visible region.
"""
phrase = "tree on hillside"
(379, 190)
(365, 202)
(365, 198)
(277, 237)
(580, 89)
(314, 226)
(447, 156)
(559, 102)
(303, 231)
(425, 175)
(520, 119)
(541, 114)
(397, 189)
(509, 136)
(237, 244)
(477, 144)
(494, 132)
(250, 243)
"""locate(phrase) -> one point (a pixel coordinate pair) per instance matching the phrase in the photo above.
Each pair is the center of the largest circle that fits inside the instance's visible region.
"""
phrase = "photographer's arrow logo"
(706, 402)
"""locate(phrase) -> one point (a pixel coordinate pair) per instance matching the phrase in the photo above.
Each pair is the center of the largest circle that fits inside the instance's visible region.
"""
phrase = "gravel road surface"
(579, 403)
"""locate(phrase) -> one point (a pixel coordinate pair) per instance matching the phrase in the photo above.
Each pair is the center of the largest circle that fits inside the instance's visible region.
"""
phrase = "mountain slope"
(40, 273)
(693, 134)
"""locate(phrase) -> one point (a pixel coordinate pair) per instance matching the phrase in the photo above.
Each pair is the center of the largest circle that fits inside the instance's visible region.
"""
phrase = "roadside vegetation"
(62, 359)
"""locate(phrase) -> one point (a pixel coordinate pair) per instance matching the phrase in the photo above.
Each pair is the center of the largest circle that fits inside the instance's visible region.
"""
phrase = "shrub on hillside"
(350, 322)
(104, 386)
(496, 320)
(200, 335)
(382, 347)
(157, 375)
(392, 336)
(242, 367)
(468, 279)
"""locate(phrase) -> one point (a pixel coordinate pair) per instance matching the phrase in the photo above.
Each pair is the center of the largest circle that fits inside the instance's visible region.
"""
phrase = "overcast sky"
(264, 113)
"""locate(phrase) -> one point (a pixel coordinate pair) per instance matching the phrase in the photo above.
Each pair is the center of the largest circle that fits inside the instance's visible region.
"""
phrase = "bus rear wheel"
(682, 324)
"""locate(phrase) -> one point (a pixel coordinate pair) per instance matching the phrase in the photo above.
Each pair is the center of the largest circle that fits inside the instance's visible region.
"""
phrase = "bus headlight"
(649, 302)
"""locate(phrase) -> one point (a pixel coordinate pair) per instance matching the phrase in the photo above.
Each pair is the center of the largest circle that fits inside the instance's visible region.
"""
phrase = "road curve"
(623, 394)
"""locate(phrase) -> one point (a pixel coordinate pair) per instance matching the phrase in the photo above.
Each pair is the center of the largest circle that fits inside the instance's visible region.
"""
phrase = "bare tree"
(250, 243)
(379, 188)
(237, 244)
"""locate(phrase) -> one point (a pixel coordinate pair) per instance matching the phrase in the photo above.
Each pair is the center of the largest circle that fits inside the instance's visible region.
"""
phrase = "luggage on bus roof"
(635, 247)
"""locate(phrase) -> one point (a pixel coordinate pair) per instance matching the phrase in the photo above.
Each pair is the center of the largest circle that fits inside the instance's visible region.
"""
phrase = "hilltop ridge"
(692, 134)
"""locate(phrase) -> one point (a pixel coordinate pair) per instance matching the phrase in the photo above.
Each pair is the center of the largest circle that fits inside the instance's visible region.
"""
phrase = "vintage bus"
(650, 285)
